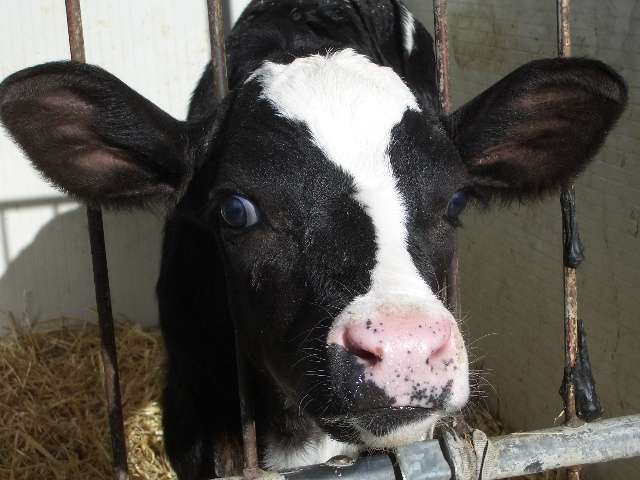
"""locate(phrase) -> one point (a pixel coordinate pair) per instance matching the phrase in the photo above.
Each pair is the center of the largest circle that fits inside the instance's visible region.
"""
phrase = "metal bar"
(507, 456)
(570, 279)
(218, 50)
(534, 452)
(441, 33)
(108, 343)
(101, 281)
(74, 27)
(423, 461)
(378, 467)
(221, 88)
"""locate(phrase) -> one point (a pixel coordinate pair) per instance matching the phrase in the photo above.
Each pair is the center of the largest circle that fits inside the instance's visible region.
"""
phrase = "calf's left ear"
(539, 126)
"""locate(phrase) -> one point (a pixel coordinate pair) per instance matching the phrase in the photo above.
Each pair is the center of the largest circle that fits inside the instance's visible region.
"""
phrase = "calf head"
(333, 196)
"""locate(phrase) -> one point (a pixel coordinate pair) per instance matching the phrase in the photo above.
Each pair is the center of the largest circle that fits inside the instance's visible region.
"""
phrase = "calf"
(315, 208)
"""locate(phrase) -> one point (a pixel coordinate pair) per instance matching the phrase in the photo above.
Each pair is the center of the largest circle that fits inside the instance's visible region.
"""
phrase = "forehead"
(335, 124)
(348, 104)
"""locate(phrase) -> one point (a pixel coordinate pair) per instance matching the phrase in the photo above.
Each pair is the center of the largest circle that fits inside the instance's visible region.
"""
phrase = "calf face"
(331, 196)
(344, 280)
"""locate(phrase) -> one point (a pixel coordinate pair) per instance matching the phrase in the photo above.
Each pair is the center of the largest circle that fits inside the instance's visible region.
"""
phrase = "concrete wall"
(511, 258)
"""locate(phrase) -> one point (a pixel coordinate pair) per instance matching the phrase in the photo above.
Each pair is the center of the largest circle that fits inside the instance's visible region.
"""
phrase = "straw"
(53, 421)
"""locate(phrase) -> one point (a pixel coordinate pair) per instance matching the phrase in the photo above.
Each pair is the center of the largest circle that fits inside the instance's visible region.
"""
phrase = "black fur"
(284, 279)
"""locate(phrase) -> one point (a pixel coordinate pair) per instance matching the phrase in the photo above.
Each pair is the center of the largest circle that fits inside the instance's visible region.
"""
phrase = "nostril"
(356, 347)
(443, 340)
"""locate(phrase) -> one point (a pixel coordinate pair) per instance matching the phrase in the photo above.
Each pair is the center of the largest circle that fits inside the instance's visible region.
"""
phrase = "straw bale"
(53, 421)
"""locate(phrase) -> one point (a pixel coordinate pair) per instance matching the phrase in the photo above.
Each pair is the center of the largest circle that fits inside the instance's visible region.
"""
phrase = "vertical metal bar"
(101, 281)
(108, 343)
(567, 200)
(221, 88)
(441, 30)
(218, 50)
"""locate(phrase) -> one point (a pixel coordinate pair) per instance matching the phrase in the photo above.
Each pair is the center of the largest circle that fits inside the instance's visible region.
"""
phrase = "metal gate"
(452, 458)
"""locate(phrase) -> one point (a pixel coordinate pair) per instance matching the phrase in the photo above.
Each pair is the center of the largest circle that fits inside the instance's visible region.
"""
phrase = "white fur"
(404, 435)
(351, 105)
(409, 29)
(314, 452)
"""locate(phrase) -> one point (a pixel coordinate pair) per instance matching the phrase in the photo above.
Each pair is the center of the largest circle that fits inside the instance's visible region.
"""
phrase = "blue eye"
(238, 212)
(456, 206)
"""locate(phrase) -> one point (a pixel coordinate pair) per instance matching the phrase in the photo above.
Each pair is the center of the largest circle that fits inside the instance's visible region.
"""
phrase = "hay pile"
(53, 422)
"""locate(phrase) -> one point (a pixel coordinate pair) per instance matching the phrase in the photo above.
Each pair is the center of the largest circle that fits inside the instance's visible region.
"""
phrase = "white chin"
(409, 433)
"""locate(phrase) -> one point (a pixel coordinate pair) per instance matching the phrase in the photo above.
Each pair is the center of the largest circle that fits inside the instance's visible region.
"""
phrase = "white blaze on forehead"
(350, 106)
(408, 29)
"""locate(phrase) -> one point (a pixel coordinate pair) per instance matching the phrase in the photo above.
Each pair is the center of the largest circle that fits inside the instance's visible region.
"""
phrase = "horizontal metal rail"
(490, 459)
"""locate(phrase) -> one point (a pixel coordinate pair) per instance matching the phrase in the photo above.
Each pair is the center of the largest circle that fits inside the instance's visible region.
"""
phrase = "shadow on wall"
(52, 276)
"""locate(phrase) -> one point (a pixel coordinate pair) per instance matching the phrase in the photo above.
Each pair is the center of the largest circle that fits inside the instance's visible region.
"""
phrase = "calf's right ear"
(93, 136)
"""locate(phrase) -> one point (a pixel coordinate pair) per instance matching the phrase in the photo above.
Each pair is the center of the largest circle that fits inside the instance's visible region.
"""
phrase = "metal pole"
(513, 455)
(534, 452)
(441, 31)
(221, 88)
(218, 51)
(101, 281)
(567, 200)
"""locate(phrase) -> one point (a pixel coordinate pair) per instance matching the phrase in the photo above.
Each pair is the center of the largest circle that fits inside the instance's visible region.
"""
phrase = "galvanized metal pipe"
(102, 290)
(441, 34)
(506, 456)
(539, 451)
(221, 88)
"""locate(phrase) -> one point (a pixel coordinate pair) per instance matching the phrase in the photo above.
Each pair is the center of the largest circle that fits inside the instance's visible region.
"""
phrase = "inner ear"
(93, 136)
(539, 126)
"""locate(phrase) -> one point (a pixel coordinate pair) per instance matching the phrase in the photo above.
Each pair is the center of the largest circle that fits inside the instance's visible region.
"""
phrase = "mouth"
(382, 427)
(398, 415)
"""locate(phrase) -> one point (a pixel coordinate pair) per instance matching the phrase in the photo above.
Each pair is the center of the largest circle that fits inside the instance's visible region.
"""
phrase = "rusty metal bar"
(221, 88)
(570, 284)
(108, 343)
(101, 282)
(441, 33)
(567, 201)
(74, 27)
(218, 50)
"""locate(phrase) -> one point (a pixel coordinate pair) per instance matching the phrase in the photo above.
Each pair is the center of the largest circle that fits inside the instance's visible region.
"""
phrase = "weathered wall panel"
(511, 259)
